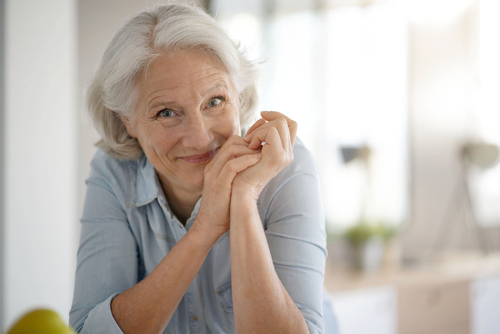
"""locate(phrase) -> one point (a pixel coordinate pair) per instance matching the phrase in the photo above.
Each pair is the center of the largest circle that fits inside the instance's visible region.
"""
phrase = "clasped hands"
(243, 166)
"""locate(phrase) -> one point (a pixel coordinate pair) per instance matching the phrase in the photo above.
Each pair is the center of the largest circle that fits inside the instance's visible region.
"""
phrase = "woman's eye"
(166, 113)
(214, 102)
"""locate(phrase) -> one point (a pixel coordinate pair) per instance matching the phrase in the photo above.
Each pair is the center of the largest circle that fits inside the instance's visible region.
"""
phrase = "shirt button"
(195, 318)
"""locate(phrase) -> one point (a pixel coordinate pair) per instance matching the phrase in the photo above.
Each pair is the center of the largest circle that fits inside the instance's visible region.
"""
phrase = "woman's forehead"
(183, 68)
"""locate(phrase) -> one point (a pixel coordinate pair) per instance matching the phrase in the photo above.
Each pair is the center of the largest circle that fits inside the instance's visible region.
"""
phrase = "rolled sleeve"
(100, 319)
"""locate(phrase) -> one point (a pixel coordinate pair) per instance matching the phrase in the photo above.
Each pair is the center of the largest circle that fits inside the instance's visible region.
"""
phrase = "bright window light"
(367, 105)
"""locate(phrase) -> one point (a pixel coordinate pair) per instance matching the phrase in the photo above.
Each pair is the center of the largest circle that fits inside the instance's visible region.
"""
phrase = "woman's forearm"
(261, 303)
(148, 306)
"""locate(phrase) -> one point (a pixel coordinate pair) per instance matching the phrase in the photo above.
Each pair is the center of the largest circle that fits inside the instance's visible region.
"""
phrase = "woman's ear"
(128, 125)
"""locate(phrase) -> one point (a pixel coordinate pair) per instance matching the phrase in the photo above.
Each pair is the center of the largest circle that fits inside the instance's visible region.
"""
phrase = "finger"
(281, 125)
(270, 135)
(255, 125)
(292, 125)
(264, 125)
(235, 166)
(233, 140)
(235, 149)
(284, 132)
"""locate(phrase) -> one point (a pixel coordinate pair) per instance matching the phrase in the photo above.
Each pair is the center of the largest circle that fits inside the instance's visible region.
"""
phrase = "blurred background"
(397, 100)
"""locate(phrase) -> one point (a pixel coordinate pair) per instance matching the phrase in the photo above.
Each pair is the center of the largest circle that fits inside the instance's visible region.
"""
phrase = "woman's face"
(187, 108)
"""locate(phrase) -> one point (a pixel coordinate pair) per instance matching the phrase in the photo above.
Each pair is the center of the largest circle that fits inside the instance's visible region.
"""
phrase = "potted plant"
(368, 242)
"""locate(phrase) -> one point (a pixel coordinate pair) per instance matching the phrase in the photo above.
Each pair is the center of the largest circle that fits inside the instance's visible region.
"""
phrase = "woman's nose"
(198, 132)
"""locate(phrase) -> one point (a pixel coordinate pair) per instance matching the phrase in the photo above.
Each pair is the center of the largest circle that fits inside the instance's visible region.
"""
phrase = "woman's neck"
(181, 201)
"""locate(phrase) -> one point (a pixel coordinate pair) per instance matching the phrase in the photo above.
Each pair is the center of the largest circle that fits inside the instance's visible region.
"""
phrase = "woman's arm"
(261, 303)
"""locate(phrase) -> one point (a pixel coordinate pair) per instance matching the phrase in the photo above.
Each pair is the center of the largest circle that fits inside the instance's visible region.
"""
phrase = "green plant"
(359, 234)
(362, 232)
(385, 231)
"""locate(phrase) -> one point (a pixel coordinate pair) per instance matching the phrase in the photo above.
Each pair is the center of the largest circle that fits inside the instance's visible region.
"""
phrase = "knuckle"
(234, 138)
(233, 150)
(231, 165)
(231, 140)
(282, 121)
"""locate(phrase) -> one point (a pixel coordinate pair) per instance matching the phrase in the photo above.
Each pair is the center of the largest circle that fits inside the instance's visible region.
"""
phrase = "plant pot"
(369, 255)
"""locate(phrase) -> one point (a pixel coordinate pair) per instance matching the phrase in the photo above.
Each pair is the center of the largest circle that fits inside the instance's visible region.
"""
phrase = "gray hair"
(112, 93)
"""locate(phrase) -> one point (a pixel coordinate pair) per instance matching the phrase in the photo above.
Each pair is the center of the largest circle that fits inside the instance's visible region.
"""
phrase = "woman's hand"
(278, 132)
(233, 157)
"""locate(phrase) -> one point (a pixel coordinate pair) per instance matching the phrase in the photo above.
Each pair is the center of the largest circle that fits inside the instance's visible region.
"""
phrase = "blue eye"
(165, 113)
(215, 101)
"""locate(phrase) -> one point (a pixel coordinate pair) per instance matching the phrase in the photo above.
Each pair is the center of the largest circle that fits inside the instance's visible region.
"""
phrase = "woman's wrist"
(244, 195)
(206, 234)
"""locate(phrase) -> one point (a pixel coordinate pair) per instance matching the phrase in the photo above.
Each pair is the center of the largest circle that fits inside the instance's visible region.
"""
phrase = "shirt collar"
(149, 188)
(190, 220)
(148, 185)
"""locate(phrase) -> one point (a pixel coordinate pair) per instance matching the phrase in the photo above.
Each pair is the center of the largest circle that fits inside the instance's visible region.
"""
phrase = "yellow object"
(41, 321)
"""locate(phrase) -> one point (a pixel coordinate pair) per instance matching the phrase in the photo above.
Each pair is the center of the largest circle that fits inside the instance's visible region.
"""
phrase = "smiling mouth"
(200, 158)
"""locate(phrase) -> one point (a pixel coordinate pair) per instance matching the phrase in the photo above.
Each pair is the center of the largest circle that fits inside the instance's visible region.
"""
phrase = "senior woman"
(188, 226)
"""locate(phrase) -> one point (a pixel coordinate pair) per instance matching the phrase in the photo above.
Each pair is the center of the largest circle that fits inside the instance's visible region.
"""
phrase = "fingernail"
(248, 138)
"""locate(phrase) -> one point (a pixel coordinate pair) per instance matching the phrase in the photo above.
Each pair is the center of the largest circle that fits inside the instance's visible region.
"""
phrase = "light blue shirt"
(128, 228)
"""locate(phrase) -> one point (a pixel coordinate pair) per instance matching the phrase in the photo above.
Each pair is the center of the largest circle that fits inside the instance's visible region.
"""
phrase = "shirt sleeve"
(294, 227)
(107, 260)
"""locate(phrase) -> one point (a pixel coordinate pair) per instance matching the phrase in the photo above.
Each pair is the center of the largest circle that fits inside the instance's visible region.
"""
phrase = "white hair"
(112, 93)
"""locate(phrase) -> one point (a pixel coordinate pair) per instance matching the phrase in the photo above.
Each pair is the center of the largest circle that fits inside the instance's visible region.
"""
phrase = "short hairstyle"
(112, 92)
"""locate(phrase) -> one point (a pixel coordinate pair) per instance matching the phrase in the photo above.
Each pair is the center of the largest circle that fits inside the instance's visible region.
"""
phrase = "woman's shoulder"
(303, 159)
(303, 163)
(303, 166)
(295, 191)
(112, 171)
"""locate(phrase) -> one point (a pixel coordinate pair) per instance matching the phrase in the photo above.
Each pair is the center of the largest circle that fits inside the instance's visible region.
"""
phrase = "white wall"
(40, 220)
(2, 130)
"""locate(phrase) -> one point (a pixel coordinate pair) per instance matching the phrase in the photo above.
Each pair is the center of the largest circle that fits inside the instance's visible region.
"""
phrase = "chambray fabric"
(127, 228)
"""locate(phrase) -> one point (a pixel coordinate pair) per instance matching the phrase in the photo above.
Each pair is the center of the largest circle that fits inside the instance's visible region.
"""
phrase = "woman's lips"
(200, 158)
